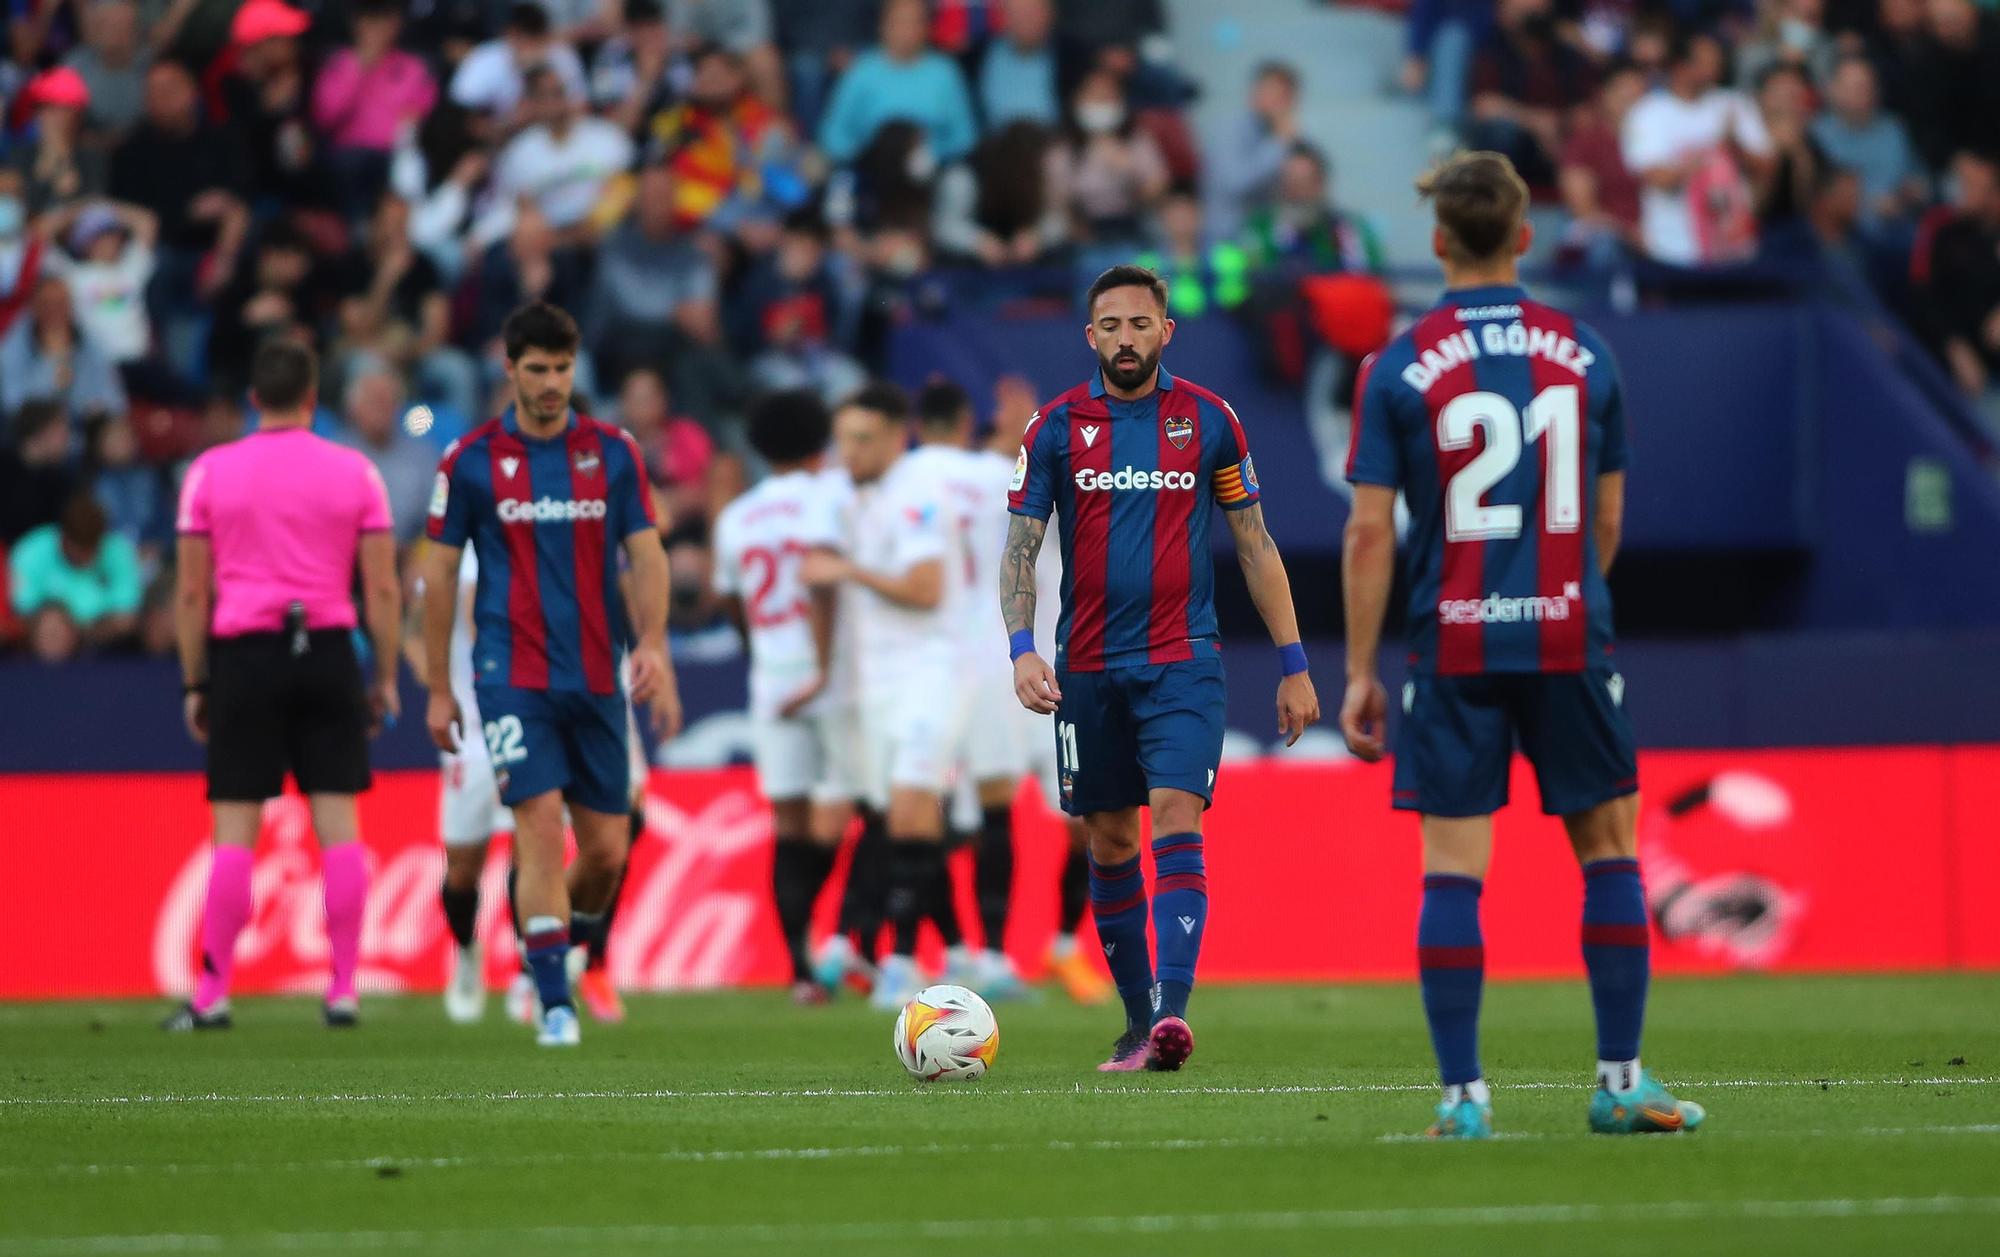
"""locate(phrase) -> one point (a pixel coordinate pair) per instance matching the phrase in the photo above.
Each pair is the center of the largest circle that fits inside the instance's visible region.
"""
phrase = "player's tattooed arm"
(1271, 590)
(1017, 570)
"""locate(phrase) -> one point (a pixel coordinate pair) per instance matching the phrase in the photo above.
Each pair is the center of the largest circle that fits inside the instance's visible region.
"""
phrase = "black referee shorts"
(271, 711)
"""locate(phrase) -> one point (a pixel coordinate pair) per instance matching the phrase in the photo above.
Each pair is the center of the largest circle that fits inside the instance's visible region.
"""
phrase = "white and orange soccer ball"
(947, 1034)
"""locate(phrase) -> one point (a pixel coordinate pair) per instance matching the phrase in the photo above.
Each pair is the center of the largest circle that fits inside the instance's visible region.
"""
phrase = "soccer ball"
(947, 1034)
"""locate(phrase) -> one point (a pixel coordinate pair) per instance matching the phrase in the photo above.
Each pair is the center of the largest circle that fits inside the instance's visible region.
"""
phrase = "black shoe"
(341, 1015)
(185, 1018)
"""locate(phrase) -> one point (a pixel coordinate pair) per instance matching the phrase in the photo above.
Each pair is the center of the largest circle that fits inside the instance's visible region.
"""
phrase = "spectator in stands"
(743, 27)
(793, 317)
(268, 97)
(654, 299)
(719, 140)
(109, 265)
(1695, 147)
(1017, 72)
(1113, 171)
(396, 311)
(112, 63)
(1085, 29)
(1525, 80)
(818, 40)
(440, 171)
(564, 161)
(372, 412)
(1007, 206)
(1442, 36)
(677, 450)
(891, 185)
(195, 177)
(527, 266)
(1791, 33)
(1599, 191)
(640, 71)
(1899, 46)
(22, 252)
(35, 472)
(282, 288)
(364, 96)
(491, 81)
(1857, 134)
(50, 164)
(1244, 167)
(901, 79)
(131, 492)
(47, 354)
(1304, 231)
(75, 583)
(1788, 190)
(1960, 281)
(1956, 88)
(1200, 276)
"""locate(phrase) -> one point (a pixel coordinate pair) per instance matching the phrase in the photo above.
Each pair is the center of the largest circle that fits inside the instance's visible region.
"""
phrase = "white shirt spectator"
(1667, 130)
(564, 176)
(488, 79)
(110, 300)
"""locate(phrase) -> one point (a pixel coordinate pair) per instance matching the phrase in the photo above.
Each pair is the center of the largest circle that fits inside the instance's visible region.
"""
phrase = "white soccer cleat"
(996, 978)
(465, 994)
(896, 983)
(560, 1028)
(524, 1004)
(961, 967)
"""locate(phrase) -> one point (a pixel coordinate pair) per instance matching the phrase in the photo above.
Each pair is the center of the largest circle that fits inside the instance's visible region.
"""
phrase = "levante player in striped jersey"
(1132, 463)
(1503, 422)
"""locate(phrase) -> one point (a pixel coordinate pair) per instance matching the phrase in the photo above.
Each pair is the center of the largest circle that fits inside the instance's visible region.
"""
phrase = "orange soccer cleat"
(1082, 983)
(600, 997)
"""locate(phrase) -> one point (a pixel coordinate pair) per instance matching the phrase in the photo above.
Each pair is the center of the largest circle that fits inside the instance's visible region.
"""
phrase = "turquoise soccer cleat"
(1648, 1109)
(1464, 1120)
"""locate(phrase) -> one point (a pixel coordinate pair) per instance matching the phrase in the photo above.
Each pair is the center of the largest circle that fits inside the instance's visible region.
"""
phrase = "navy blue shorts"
(1459, 733)
(567, 740)
(1124, 732)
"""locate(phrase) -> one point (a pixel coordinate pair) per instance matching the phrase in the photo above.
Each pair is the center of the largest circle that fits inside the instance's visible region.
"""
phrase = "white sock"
(1475, 1091)
(1618, 1077)
(959, 956)
(1063, 948)
(993, 958)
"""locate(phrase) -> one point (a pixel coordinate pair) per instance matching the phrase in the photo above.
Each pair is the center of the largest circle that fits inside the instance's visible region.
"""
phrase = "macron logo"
(509, 466)
(1089, 431)
(1187, 924)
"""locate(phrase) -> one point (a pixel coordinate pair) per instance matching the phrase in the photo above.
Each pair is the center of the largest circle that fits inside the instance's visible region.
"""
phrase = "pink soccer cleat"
(1169, 1046)
(1128, 1055)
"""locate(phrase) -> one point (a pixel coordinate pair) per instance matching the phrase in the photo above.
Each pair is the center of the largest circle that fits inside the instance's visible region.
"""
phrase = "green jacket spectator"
(78, 566)
(901, 80)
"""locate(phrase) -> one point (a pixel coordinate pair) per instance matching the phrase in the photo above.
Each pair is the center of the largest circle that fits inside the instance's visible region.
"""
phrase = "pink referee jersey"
(284, 512)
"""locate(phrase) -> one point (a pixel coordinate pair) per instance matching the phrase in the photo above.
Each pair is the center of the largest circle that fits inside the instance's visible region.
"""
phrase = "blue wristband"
(1293, 658)
(1020, 642)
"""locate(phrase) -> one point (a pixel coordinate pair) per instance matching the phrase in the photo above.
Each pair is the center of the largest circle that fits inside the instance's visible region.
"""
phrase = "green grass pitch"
(1846, 1116)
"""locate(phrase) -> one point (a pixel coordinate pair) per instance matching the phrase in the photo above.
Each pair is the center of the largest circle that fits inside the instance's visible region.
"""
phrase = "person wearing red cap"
(50, 167)
(265, 93)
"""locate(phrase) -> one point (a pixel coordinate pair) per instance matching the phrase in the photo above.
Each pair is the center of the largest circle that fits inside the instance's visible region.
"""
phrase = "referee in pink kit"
(271, 526)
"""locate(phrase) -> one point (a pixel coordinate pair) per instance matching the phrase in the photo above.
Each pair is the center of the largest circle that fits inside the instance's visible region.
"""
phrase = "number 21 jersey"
(1495, 415)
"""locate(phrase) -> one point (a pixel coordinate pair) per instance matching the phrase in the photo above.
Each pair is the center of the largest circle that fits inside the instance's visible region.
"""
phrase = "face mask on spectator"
(1796, 35)
(1100, 116)
(921, 164)
(11, 217)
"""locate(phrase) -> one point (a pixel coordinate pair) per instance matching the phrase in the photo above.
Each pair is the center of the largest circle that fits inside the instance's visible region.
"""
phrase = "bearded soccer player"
(1131, 463)
(545, 496)
(1503, 421)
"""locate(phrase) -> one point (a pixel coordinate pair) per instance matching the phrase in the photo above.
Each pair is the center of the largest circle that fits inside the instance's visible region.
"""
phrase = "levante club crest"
(1180, 431)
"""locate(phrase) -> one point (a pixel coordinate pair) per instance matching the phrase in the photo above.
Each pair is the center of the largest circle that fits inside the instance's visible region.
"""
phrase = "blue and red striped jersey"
(1495, 415)
(547, 519)
(1131, 484)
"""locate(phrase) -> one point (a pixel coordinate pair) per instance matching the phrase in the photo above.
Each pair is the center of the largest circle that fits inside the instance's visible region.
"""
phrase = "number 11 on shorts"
(1066, 735)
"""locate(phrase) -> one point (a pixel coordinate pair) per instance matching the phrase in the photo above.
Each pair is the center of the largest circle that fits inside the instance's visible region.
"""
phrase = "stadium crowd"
(737, 196)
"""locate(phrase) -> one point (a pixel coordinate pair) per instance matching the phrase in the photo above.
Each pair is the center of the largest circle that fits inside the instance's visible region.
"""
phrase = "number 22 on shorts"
(503, 740)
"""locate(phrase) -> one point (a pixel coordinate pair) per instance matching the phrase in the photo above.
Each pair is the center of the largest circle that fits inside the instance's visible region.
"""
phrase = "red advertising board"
(1838, 860)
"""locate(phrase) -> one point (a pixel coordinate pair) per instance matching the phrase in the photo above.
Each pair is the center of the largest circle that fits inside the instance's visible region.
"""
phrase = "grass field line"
(913, 1229)
(723, 1156)
(838, 1093)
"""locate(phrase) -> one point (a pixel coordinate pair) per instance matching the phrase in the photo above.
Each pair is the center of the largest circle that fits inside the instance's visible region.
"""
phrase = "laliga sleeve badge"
(1020, 471)
(440, 495)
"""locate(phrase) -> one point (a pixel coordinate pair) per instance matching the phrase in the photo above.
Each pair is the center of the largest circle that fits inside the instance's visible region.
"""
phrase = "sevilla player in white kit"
(762, 542)
(906, 572)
